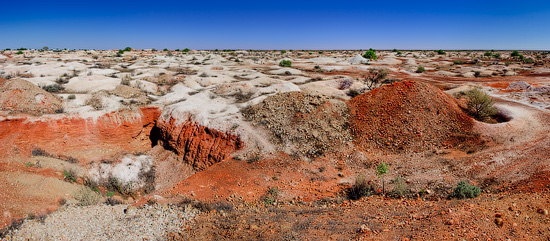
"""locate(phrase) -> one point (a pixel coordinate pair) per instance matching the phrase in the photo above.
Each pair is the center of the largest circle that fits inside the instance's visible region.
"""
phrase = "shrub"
(480, 104)
(271, 196)
(71, 97)
(285, 63)
(126, 80)
(440, 52)
(374, 78)
(127, 49)
(420, 69)
(19, 52)
(283, 51)
(465, 190)
(352, 93)
(359, 189)
(185, 50)
(515, 53)
(458, 62)
(400, 187)
(53, 88)
(370, 55)
(86, 197)
(394, 50)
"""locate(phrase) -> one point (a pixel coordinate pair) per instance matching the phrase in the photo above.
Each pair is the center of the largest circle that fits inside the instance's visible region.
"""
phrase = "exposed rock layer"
(198, 145)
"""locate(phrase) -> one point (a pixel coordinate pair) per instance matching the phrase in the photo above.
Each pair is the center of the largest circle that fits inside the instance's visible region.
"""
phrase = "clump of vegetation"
(19, 52)
(381, 170)
(71, 97)
(283, 51)
(457, 62)
(69, 175)
(55, 88)
(440, 52)
(360, 189)
(271, 196)
(126, 80)
(465, 190)
(370, 55)
(375, 77)
(480, 104)
(400, 187)
(86, 197)
(285, 63)
(420, 69)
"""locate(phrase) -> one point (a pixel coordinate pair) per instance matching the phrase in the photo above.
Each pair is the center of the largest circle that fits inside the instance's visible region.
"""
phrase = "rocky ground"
(229, 145)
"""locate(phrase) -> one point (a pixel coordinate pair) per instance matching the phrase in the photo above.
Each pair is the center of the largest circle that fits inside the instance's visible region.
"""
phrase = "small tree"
(480, 104)
(374, 78)
(420, 69)
(187, 50)
(45, 48)
(370, 55)
(381, 170)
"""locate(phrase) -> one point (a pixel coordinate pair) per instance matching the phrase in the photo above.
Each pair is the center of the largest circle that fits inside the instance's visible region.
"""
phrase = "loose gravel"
(103, 222)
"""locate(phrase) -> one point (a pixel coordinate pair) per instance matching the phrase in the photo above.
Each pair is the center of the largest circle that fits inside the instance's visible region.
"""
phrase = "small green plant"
(440, 52)
(19, 52)
(29, 164)
(271, 196)
(465, 190)
(381, 170)
(480, 104)
(71, 97)
(110, 194)
(283, 51)
(420, 69)
(394, 50)
(53, 88)
(69, 175)
(285, 63)
(370, 55)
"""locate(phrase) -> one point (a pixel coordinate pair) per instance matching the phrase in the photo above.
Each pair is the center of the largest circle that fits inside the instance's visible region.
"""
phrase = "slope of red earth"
(411, 116)
(77, 137)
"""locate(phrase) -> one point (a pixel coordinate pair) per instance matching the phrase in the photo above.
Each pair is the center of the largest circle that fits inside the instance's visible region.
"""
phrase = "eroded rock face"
(198, 146)
(77, 137)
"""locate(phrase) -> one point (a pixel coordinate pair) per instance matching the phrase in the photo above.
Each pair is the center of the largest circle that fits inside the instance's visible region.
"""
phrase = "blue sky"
(276, 24)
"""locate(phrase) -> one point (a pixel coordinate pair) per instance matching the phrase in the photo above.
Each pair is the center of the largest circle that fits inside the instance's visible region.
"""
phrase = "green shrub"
(271, 196)
(71, 97)
(53, 88)
(285, 63)
(458, 62)
(370, 55)
(440, 52)
(185, 50)
(465, 190)
(394, 50)
(110, 194)
(283, 51)
(360, 188)
(69, 175)
(420, 69)
(19, 52)
(480, 104)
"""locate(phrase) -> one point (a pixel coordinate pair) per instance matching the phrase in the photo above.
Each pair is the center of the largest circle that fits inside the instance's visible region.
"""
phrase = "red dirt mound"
(19, 95)
(408, 115)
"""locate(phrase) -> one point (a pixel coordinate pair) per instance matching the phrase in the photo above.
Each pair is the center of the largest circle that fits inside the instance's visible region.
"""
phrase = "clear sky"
(266, 24)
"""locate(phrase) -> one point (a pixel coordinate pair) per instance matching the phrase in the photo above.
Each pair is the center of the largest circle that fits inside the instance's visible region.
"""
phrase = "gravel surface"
(103, 222)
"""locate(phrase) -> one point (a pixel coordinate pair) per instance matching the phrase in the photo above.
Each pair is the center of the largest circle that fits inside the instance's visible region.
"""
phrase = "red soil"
(101, 138)
(408, 115)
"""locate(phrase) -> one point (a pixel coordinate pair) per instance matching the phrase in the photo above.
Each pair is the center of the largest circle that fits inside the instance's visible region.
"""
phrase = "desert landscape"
(145, 144)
